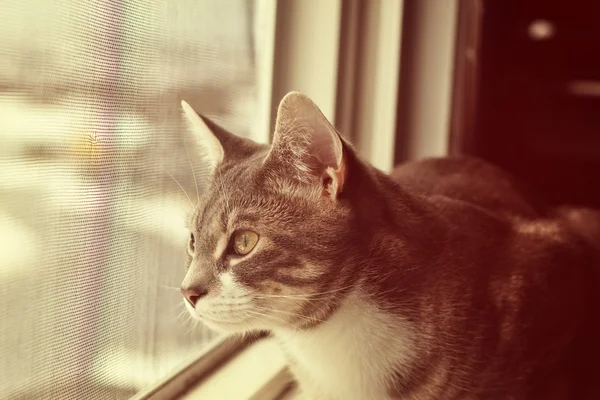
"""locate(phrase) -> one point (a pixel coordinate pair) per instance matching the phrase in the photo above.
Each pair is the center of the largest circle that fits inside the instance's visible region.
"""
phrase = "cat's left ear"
(306, 146)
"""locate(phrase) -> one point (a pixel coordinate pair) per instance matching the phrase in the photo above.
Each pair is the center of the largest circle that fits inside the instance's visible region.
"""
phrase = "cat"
(443, 280)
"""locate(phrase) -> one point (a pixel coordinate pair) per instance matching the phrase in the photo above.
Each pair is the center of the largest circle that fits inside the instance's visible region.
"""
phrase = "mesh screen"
(93, 150)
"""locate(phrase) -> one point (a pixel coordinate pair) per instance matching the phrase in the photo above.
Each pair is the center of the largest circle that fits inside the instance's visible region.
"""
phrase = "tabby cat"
(444, 280)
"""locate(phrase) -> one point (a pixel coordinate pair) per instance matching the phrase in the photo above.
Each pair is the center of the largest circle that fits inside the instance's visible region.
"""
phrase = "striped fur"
(443, 281)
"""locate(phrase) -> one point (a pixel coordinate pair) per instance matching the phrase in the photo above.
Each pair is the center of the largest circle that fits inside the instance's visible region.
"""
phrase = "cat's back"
(470, 180)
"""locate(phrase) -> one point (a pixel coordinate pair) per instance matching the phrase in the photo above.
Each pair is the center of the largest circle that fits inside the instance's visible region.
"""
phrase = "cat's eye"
(244, 241)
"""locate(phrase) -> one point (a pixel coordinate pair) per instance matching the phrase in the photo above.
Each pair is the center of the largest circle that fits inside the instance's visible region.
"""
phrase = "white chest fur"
(352, 355)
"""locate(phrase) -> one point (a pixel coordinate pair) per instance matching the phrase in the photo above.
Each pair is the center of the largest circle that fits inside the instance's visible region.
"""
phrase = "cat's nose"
(192, 295)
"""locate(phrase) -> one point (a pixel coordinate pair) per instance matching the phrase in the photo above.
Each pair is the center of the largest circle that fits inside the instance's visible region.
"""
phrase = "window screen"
(96, 177)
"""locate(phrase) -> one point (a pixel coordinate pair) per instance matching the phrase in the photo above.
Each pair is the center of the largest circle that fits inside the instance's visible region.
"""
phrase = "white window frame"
(345, 55)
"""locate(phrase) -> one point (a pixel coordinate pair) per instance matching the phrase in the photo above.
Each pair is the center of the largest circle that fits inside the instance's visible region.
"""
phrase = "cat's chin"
(224, 327)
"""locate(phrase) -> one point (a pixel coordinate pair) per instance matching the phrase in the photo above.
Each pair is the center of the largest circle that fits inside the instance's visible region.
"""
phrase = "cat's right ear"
(306, 147)
(218, 144)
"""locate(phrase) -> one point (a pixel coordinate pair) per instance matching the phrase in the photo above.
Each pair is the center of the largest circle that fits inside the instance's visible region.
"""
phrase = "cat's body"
(468, 179)
(475, 315)
(441, 281)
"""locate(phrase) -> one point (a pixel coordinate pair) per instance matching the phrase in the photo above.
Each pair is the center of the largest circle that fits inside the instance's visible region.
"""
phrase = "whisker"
(237, 320)
(302, 296)
(193, 172)
(193, 323)
(190, 329)
(181, 187)
(186, 320)
(301, 316)
(267, 316)
(294, 297)
(237, 305)
(181, 305)
(181, 314)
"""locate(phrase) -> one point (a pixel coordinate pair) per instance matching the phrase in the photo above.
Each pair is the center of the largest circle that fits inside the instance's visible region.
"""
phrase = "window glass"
(97, 175)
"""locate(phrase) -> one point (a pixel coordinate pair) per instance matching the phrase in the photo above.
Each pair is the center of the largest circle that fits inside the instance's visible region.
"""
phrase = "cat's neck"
(360, 345)
(408, 238)
(388, 212)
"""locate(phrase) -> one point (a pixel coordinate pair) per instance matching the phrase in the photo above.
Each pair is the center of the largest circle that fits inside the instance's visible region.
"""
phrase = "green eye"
(244, 242)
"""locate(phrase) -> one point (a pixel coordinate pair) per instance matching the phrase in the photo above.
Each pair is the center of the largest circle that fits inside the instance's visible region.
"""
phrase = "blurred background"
(98, 169)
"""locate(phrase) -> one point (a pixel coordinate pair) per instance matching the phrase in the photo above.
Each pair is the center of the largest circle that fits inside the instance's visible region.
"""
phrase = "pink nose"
(192, 295)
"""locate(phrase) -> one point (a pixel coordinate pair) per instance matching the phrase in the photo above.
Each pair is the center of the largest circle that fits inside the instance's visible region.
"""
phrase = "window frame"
(199, 367)
(352, 69)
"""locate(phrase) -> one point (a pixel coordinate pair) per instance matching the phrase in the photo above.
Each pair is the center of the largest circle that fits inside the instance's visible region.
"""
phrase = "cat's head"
(272, 242)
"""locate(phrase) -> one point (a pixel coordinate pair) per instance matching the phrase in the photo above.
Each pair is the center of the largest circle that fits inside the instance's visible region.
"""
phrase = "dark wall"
(528, 120)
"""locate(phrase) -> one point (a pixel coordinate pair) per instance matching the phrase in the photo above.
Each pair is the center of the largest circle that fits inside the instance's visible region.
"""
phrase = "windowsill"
(258, 372)
(231, 367)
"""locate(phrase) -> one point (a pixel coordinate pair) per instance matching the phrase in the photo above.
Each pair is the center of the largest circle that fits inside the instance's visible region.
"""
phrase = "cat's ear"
(218, 144)
(306, 146)
(204, 134)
